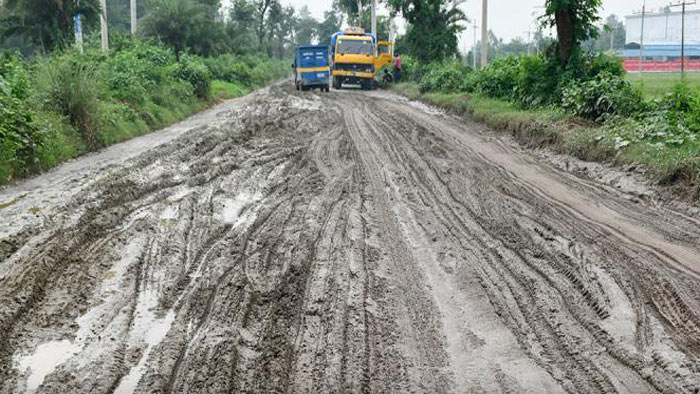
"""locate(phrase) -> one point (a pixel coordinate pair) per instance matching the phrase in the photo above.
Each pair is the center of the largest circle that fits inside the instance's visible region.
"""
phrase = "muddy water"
(342, 242)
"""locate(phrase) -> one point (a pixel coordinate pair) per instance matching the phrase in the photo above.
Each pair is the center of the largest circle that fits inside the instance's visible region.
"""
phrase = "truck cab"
(354, 54)
(385, 55)
(312, 68)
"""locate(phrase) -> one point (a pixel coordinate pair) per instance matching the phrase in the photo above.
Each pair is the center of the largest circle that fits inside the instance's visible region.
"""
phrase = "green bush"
(59, 106)
(585, 66)
(536, 81)
(68, 84)
(230, 69)
(500, 78)
(411, 70)
(604, 95)
(20, 137)
(192, 69)
(447, 77)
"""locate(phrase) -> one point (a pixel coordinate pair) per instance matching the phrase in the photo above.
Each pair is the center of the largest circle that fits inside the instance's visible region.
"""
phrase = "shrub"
(68, 84)
(606, 94)
(536, 81)
(500, 78)
(411, 70)
(69, 102)
(192, 69)
(228, 68)
(128, 78)
(20, 138)
(445, 77)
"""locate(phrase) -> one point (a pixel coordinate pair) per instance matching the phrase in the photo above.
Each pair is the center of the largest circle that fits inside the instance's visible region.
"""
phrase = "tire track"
(348, 242)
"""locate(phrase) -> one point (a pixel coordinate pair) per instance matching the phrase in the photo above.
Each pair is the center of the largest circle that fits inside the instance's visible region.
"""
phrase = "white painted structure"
(663, 28)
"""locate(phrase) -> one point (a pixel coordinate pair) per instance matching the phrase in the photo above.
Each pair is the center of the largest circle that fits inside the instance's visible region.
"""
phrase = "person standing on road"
(397, 69)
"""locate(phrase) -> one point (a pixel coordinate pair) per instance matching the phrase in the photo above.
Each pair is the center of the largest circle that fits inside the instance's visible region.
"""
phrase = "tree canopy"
(574, 21)
(46, 23)
(433, 27)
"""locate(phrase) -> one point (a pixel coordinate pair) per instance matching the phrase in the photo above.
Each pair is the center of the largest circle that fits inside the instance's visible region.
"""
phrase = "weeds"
(57, 107)
(539, 102)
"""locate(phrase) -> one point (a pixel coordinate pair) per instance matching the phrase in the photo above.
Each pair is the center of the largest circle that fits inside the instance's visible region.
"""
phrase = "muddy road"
(344, 242)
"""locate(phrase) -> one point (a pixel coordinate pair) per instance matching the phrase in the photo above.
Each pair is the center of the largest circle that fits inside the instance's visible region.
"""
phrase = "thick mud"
(343, 242)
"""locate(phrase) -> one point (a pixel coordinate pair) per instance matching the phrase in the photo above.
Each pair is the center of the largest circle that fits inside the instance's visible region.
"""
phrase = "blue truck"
(312, 68)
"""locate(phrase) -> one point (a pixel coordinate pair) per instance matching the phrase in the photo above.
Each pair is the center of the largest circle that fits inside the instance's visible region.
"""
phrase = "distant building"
(662, 41)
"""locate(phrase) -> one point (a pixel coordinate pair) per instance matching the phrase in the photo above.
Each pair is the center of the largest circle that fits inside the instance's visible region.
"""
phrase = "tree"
(175, 22)
(350, 7)
(383, 23)
(612, 36)
(47, 23)
(332, 22)
(433, 27)
(307, 26)
(261, 7)
(280, 24)
(517, 46)
(575, 22)
(241, 27)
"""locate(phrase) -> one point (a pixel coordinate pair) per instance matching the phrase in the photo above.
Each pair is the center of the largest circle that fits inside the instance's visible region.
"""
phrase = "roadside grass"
(56, 107)
(670, 165)
(222, 90)
(656, 85)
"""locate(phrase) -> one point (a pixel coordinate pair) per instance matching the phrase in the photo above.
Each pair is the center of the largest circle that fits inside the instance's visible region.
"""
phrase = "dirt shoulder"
(672, 178)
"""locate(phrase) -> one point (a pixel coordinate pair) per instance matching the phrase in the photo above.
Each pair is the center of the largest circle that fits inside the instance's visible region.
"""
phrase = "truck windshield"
(355, 47)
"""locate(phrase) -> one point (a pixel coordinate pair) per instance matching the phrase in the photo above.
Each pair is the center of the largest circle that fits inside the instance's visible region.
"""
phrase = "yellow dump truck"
(356, 57)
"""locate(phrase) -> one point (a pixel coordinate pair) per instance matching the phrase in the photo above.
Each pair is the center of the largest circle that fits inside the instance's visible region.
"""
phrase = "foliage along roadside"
(58, 107)
(589, 111)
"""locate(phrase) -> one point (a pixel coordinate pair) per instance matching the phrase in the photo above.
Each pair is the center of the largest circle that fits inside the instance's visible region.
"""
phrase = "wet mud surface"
(344, 242)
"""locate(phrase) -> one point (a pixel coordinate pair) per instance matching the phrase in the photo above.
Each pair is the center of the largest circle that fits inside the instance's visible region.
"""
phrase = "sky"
(507, 18)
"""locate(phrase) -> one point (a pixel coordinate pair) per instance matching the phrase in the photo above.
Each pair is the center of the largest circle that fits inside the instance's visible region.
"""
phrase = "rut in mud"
(347, 242)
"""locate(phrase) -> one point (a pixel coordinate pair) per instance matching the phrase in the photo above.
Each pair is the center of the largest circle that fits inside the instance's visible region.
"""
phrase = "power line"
(683, 5)
(641, 40)
(484, 33)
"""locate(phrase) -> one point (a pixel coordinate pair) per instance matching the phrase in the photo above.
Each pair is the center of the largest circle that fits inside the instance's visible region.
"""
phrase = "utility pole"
(641, 40)
(612, 39)
(374, 19)
(683, 4)
(103, 25)
(474, 47)
(359, 13)
(134, 20)
(484, 33)
(78, 27)
(539, 28)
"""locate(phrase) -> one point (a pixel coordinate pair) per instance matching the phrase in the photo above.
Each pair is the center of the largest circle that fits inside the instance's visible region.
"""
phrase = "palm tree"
(48, 23)
(175, 22)
(433, 27)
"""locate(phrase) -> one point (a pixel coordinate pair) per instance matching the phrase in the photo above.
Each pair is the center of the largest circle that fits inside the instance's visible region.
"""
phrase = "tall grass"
(69, 86)
(60, 106)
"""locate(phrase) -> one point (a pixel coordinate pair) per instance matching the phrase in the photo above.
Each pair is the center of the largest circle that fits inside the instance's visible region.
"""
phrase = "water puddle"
(50, 355)
(233, 208)
(47, 357)
(152, 330)
(169, 213)
(622, 322)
